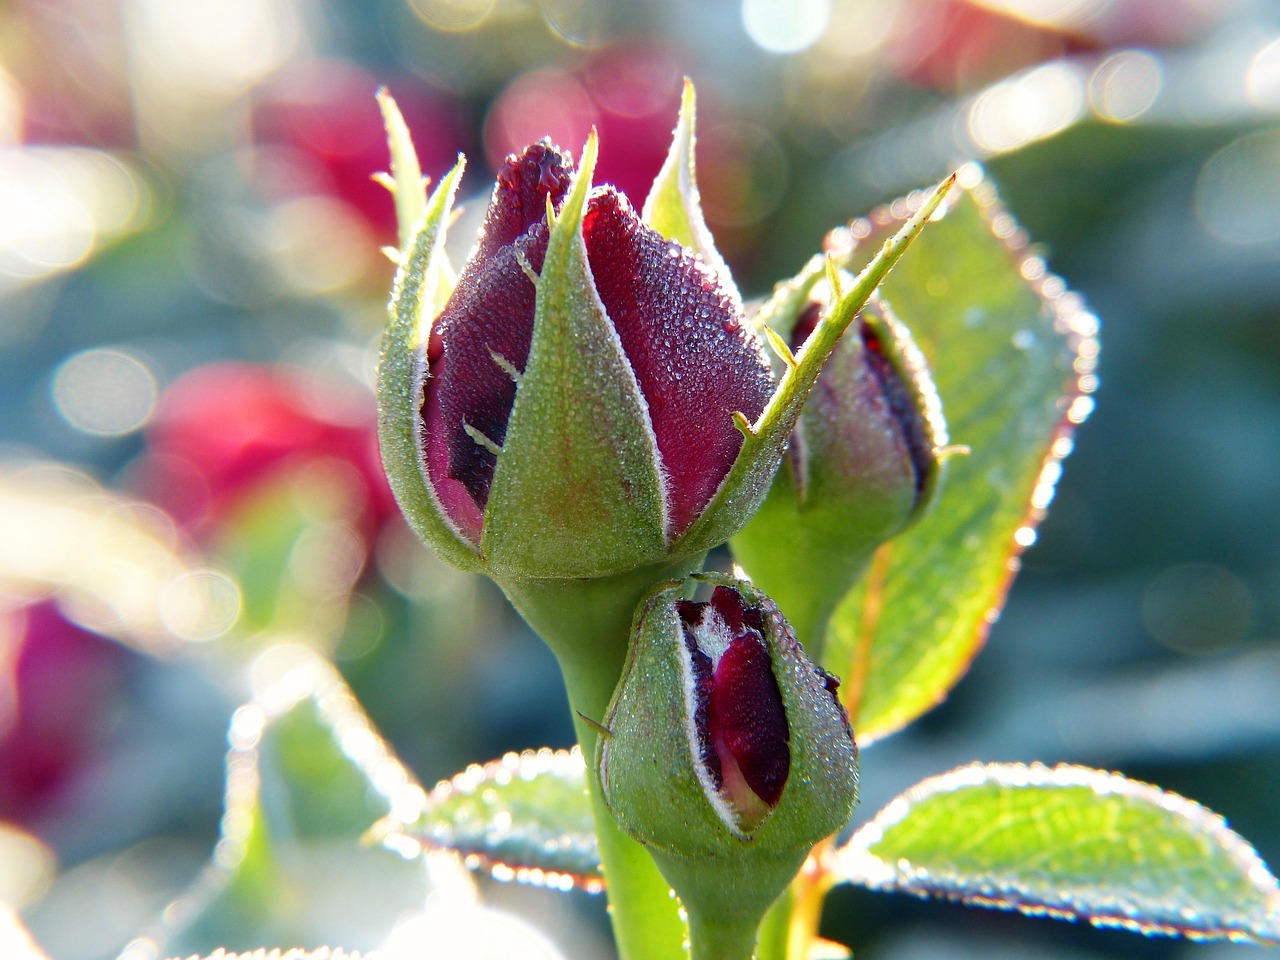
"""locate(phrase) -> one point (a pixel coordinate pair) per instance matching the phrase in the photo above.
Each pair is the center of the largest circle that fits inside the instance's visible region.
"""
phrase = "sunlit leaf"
(306, 777)
(523, 817)
(1068, 842)
(1012, 354)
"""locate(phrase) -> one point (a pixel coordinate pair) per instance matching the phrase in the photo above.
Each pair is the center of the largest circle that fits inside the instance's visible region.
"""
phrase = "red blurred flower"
(222, 430)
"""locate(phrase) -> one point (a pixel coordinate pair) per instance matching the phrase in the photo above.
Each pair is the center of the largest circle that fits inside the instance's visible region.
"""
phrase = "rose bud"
(728, 753)
(578, 387)
(862, 466)
(586, 400)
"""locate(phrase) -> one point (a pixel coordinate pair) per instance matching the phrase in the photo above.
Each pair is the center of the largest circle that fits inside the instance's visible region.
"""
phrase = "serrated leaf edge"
(854, 863)
(401, 835)
(1070, 319)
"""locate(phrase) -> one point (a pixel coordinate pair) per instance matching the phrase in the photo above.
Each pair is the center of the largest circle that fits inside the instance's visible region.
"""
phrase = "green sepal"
(764, 441)
(725, 877)
(577, 491)
(674, 207)
(419, 288)
(406, 182)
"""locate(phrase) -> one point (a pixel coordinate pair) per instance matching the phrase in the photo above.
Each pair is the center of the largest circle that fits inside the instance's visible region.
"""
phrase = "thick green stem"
(587, 625)
(775, 929)
(709, 940)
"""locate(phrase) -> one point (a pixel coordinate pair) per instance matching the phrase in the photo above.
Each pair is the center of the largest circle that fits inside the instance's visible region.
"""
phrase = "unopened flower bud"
(578, 387)
(585, 400)
(862, 466)
(729, 755)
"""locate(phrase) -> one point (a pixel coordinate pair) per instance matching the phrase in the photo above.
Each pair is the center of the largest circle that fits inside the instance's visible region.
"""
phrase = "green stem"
(775, 929)
(587, 625)
(709, 940)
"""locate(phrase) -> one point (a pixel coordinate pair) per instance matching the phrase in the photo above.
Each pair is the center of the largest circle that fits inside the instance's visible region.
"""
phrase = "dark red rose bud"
(864, 463)
(585, 401)
(729, 755)
(683, 336)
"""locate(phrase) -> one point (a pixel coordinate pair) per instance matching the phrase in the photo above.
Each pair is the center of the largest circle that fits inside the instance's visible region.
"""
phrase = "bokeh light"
(1237, 194)
(785, 26)
(1125, 86)
(1263, 81)
(1029, 107)
(1197, 608)
(452, 15)
(105, 391)
(543, 103)
(58, 204)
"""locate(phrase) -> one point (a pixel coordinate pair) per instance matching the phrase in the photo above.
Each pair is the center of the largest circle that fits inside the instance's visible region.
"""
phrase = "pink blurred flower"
(59, 684)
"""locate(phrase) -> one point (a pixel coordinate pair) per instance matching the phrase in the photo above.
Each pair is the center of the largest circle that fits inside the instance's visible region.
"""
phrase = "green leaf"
(523, 817)
(307, 777)
(673, 206)
(1012, 354)
(1068, 842)
(579, 447)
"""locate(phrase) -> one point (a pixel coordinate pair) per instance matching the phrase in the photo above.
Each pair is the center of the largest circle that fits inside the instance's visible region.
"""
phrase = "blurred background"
(191, 294)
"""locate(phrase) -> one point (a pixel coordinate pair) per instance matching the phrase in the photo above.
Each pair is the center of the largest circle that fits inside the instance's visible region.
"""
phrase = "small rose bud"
(729, 754)
(862, 466)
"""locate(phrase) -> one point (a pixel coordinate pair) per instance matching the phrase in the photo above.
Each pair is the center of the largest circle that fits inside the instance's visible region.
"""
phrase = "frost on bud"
(862, 466)
(574, 394)
(729, 755)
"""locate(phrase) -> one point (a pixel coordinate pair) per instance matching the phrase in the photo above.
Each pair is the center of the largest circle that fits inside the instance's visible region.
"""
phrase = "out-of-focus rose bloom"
(222, 430)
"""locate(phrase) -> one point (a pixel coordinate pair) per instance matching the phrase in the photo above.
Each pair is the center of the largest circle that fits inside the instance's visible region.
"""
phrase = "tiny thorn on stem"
(743, 424)
(385, 179)
(779, 346)
(481, 440)
(833, 280)
(595, 725)
(392, 254)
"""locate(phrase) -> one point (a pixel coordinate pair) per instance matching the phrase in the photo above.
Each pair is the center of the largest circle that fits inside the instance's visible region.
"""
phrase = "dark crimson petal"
(915, 433)
(747, 712)
(728, 603)
(520, 197)
(806, 323)
(490, 313)
(687, 343)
